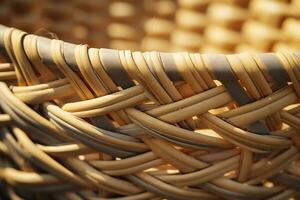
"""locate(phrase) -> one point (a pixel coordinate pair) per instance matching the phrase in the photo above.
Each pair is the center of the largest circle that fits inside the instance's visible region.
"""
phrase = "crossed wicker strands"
(145, 108)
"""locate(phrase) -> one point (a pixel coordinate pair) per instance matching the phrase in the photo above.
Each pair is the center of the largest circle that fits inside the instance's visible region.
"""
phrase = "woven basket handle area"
(148, 125)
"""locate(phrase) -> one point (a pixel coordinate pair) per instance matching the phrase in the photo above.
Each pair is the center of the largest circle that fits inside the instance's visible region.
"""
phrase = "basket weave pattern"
(87, 123)
(163, 25)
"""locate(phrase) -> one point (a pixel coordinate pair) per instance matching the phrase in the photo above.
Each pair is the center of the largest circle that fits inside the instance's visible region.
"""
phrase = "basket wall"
(82, 123)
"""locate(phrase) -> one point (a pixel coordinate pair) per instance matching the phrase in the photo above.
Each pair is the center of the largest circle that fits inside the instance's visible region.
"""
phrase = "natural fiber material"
(86, 123)
(221, 26)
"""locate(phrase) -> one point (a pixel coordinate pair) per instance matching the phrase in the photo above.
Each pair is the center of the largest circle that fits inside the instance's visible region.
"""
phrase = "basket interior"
(163, 25)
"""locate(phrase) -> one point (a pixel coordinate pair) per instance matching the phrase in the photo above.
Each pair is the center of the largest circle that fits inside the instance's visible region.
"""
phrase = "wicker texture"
(195, 25)
(87, 123)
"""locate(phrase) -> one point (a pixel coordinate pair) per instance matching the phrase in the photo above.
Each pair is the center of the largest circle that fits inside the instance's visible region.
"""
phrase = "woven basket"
(84, 123)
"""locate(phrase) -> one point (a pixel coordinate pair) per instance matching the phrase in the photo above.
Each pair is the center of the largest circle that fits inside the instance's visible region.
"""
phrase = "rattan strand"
(86, 123)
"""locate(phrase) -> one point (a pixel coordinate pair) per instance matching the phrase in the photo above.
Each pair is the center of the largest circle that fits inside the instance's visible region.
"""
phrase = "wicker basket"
(83, 123)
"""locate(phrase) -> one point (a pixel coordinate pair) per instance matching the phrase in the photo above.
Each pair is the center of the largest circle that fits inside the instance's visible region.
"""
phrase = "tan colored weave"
(168, 25)
(84, 123)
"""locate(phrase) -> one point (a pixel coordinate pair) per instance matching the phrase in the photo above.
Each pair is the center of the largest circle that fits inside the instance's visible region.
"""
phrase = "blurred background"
(163, 25)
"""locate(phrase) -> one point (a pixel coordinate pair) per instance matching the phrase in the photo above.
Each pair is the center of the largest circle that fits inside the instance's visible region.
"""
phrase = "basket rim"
(44, 52)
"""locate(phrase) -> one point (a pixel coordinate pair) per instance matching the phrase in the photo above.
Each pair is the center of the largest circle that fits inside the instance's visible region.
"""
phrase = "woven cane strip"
(125, 29)
(221, 26)
(158, 25)
(116, 124)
